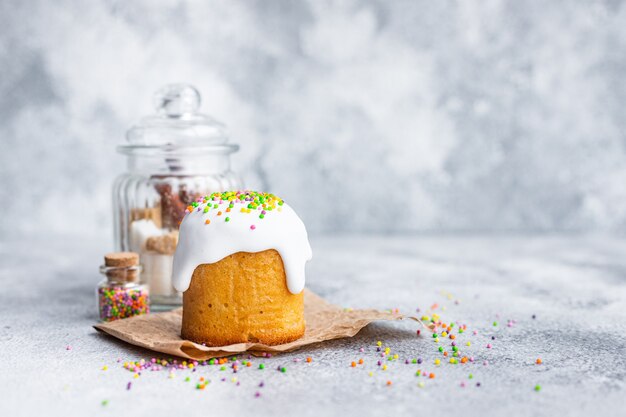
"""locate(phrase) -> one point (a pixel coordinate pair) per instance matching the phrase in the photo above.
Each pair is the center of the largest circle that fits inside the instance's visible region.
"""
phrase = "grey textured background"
(365, 115)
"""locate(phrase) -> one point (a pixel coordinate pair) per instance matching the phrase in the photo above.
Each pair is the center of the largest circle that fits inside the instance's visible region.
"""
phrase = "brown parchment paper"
(160, 332)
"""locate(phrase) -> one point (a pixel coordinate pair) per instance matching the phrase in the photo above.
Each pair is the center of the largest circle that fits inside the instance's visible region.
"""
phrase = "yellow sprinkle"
(190, 366)
(371, 373)
(104, 368)
(136, 376)
(395, 356)
(379, 343)
(444, 334)
(468, 344)
(384, 367)
(436, 339)
(420, 384)
(425, 318)
(443, 308)
(234, 379)
(437, 361)
(435, 317)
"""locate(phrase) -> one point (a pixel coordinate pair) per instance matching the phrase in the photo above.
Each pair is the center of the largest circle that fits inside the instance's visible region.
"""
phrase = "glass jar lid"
(177, 127)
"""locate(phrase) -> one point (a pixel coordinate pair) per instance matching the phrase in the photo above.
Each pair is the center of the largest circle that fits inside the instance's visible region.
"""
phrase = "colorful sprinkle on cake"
(253, 203)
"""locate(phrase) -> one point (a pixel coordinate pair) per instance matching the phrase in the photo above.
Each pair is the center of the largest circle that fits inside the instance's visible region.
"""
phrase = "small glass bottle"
(121, 294)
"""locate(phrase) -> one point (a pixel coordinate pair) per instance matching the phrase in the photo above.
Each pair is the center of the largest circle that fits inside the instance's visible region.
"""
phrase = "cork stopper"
(121, 267)
(121, 259)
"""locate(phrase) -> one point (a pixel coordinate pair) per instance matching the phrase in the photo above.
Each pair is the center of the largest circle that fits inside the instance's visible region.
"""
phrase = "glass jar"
(174, 157)
(121, 294)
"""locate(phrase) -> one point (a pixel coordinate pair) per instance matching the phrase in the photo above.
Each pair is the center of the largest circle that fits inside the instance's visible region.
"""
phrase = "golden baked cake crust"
(242, 298)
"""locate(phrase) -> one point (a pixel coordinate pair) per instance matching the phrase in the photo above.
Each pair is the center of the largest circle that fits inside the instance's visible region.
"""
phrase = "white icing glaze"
(200, 243)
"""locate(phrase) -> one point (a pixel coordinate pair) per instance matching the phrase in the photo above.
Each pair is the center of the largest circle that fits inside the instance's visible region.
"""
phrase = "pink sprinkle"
(488, 345)
(68, 347)
(475, 332)
(361, 350)
(257, 394)
(462, 384)
(485, 363)
(252, 227)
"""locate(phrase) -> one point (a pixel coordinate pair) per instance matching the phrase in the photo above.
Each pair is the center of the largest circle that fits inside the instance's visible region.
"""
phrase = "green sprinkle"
(261, 366)
(440, 348)
(454, 348)
(211, 361)
(206, 209)
(537, 387)
(283, 369)
(281, 202)
(471, 376)
(105, 402)
(451, 324)
(222, 368)
(495, 323)
(434, 335)
(414, 361)
(261, 216)
(227, 219)
(187, 379)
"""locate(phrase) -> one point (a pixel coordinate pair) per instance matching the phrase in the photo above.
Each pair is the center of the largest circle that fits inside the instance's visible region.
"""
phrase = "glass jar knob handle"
(177, 100)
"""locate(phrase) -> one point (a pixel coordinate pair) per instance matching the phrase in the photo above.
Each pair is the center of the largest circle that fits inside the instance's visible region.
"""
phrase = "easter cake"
(240, 263)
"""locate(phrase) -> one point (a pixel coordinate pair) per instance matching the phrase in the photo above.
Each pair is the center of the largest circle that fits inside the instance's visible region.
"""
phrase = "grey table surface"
(574, 286)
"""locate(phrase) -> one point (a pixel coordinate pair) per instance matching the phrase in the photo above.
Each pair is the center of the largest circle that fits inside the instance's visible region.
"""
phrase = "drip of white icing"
(200, 243)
